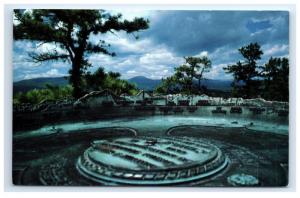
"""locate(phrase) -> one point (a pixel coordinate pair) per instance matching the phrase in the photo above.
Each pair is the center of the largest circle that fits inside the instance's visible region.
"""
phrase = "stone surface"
(52, 158)
(242, 180)
(180, 160)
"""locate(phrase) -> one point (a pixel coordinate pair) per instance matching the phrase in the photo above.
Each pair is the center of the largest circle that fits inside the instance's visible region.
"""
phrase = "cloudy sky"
(171, 36)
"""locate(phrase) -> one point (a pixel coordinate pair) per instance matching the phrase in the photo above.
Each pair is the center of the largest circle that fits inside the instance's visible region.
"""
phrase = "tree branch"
(71, 53)
(100, 48)
(48, 56)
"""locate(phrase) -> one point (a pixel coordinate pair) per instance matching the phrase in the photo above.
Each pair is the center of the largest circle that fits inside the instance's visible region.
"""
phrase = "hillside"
(141, 82)
(144, 83)
(149, 84)
(38, 83)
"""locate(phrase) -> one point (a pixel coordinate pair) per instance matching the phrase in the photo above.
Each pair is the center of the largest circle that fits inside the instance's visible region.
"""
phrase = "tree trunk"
(75, 78)
(199, 84)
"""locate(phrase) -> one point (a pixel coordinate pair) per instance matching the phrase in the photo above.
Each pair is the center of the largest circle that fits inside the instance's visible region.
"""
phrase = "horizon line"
(121, 78)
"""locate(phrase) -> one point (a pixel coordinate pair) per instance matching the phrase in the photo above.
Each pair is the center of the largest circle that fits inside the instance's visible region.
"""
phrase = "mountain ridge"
(141, 82)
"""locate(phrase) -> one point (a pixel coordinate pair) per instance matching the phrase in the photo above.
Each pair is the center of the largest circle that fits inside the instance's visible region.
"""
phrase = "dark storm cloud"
(189, 32)
(255, 26)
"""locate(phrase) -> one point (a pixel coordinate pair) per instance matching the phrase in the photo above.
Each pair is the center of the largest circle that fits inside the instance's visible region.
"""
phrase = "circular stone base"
(150, 161)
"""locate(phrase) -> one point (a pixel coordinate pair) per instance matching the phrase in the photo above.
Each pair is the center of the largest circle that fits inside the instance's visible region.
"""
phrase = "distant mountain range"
(38, 83)
(140, 81)
(144, 83)
(149, 84)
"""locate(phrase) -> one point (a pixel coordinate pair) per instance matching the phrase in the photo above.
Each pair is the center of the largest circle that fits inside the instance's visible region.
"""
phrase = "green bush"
(35, 96)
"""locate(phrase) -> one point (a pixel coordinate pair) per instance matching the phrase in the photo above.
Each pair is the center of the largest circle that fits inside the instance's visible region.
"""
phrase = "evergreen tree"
(70, 31)
(246, 72)
(193, 68)
(100, 80)
(167, 86)
(276, 79)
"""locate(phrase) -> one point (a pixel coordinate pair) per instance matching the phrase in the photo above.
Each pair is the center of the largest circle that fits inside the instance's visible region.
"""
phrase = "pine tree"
(245, 72)
(193, 68)
(70, 30)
